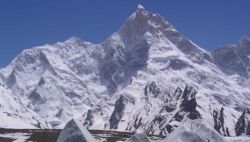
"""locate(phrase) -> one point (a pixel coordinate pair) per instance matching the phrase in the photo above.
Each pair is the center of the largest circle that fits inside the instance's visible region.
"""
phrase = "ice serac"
(139, 138)
(194, 131)
(74, 131)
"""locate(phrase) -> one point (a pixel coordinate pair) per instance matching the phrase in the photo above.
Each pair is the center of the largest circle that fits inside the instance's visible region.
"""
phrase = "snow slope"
(146, 77)
(13, 113)
(238, 139)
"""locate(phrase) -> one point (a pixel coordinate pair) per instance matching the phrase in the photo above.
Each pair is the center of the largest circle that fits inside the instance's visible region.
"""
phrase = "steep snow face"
(143, 23)
(144, 33)
(234, 59)
(145, 62)
(57, 81)
(14, 114)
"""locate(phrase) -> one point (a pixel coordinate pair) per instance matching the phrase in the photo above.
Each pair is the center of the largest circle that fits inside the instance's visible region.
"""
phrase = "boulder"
(74, 131)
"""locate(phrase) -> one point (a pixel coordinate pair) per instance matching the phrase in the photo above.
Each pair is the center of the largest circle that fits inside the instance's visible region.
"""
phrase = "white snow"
(238, 139)
(13, 113)
(10, 122)
(17, 137)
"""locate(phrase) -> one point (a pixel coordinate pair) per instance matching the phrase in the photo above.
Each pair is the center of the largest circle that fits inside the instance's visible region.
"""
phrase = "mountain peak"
(74, 39)
(140, 22)
(140, 7)
(245, 41)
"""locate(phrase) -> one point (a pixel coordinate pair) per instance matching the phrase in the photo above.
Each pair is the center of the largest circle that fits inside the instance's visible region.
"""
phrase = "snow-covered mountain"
(14, 114)
(147, 77)
(234, 59)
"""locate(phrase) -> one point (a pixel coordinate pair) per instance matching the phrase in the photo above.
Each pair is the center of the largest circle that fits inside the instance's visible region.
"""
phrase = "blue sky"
(28, 23)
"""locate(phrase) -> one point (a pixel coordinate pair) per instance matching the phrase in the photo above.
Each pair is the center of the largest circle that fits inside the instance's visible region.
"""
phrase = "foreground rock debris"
(191, 131)
(74, 131)
(138, 138)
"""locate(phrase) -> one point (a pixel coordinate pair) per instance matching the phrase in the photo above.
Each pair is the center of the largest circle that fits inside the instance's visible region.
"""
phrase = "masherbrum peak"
(146, 68)
(140, 7)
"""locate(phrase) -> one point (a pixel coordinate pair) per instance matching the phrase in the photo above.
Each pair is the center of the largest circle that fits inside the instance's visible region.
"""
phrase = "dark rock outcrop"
(180, 105)
(188, 105)
(219, 124)
(89, 120)
(178, 64)
(138, 122)
(118, 112)
(243, 124)
(36, 98)
(151, 89)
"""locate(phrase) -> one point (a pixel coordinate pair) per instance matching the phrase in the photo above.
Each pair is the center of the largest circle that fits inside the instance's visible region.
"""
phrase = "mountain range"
(146, 77)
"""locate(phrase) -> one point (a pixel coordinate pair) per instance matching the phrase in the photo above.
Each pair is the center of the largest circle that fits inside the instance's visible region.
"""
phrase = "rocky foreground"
(191, 131)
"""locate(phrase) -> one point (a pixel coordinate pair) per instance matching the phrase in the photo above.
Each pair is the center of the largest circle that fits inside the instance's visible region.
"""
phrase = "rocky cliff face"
(188, 103)
(242, 126)
(178, 108)
(118, 112)
(219, 124)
